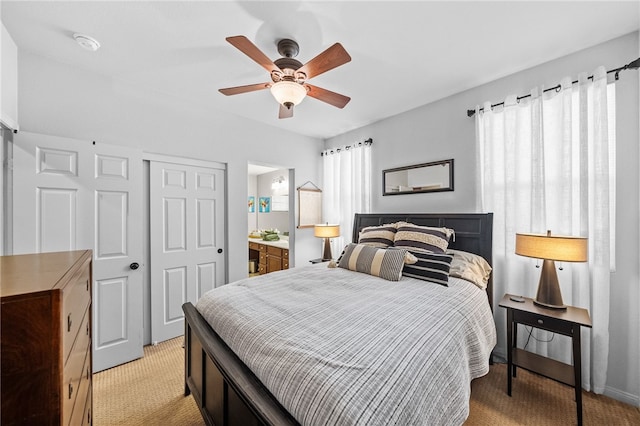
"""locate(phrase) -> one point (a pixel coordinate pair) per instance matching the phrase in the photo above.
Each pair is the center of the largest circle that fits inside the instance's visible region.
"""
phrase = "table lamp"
(326, 231)
(550, 248)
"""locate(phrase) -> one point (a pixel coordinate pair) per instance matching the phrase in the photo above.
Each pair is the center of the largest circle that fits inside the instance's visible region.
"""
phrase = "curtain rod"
(347, 147)
(632, 65)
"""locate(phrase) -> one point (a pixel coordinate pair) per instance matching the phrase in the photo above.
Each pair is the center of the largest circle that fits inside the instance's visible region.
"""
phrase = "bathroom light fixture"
(86, 42)
(278, 183)
(288, 93)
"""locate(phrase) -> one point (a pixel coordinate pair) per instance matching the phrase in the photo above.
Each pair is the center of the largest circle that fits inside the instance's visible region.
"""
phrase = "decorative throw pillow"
(378, 236)
(422, 238)
(432, 267)
(470, 267)
(374, 261)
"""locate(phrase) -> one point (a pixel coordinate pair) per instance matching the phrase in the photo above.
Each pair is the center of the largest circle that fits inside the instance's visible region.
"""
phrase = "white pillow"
(470, 267)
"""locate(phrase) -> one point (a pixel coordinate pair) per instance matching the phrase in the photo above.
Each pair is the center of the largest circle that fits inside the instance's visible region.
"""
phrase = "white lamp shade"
(552, 247)
(288, 91)
(326, 231)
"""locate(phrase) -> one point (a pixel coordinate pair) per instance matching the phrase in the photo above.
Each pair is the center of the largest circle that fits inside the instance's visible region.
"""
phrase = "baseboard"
(621, 396)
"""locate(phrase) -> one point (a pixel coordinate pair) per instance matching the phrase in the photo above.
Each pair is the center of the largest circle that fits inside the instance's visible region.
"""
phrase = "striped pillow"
(378, 236)
(433, 267)
(374, 261)
(422, 238)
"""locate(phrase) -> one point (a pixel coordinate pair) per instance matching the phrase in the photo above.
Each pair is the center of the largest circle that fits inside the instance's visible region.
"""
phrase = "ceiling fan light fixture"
(288, 93)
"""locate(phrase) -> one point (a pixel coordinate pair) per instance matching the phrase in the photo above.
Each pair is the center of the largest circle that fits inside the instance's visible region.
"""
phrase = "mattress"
(338, 347)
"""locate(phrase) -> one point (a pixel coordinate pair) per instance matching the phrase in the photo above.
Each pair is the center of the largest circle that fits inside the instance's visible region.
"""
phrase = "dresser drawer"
(75, 370)
(76, 298)
(544, 322)
(88, 410)
(79, 414)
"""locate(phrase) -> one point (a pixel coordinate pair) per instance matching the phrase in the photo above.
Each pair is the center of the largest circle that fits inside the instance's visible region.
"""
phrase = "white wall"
(442, 130)
(57, 99)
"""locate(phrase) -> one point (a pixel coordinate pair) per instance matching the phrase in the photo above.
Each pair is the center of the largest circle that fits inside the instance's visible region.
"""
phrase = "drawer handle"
(540, 322)
(70, 390)
(69, 323)
(89, 417)
(87, 285)
(87, 373)
(87, 329)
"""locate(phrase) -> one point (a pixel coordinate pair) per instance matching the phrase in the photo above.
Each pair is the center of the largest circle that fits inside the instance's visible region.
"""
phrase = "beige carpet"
(536, 400)
(149, 391)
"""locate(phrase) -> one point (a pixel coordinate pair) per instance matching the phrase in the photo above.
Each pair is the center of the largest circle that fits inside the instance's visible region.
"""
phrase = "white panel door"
(117, 276)
(187, 241)
(70, 195)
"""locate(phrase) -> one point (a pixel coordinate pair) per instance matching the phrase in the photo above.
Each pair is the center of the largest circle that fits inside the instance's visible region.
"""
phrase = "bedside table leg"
(577, 371)
(514, 342)
(510, 344)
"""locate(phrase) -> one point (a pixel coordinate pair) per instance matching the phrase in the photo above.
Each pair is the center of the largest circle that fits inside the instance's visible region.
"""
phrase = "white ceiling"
(404, 54)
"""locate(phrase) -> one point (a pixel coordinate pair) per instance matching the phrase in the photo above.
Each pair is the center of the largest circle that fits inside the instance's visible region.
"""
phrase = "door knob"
(219, 250)
(134, 266)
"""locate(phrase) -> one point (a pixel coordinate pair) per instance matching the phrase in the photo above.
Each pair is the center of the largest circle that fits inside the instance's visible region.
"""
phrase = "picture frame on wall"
(309, 207)
(251, 204)
(264, 204)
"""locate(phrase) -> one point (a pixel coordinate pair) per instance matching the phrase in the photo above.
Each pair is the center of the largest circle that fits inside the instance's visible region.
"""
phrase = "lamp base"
(548, 306)
(326, 255)
(549, 295)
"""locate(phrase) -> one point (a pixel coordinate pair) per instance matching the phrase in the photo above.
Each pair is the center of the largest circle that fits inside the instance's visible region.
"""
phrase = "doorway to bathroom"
(270, 218)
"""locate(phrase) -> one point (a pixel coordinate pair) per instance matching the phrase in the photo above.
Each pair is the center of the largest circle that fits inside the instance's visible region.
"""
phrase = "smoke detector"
(87, 42)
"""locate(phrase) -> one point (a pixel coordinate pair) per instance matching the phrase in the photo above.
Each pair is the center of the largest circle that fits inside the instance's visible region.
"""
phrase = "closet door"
(187, 240)
(70, 195)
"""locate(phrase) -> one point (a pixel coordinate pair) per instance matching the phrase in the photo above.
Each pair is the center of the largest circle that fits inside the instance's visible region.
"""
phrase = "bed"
(227, 388)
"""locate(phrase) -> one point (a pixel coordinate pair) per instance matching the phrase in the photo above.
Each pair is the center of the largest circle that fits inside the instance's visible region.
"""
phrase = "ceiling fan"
(289, 76)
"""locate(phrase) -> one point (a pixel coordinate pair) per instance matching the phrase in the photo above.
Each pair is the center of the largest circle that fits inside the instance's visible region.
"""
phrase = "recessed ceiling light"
(87, 42)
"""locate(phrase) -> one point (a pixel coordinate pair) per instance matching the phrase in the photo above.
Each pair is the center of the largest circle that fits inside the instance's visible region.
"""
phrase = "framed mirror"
(436, 176)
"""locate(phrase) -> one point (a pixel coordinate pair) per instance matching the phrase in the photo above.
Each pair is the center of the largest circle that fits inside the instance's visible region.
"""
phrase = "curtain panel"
(347, 189)
(547, 162)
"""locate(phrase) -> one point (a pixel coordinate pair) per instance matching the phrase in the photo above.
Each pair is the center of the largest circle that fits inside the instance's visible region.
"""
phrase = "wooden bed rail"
(225, 390)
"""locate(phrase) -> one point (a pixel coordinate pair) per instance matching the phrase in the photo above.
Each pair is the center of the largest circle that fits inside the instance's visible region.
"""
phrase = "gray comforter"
(337, 347)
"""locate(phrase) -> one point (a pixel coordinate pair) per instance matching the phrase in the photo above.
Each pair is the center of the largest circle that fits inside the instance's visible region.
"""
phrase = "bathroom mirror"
(436, 176)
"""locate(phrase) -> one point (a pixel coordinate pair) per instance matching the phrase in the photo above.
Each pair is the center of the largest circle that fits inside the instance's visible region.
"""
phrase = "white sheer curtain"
(347, 188)
(547, 162)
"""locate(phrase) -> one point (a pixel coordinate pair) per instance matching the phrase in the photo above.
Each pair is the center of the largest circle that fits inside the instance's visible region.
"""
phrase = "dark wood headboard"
(473, 231)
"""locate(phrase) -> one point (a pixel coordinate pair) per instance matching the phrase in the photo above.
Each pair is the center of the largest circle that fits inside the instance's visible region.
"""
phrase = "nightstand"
(318, 260)
(566, 322)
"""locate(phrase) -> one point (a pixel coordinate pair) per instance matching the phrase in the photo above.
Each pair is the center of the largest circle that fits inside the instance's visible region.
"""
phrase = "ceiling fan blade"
(329, 59)
(285, 112)
(324, 95)
(251, 50)
(244, 89)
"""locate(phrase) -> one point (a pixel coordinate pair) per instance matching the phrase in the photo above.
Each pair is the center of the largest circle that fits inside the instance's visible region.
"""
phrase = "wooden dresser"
(46, 338)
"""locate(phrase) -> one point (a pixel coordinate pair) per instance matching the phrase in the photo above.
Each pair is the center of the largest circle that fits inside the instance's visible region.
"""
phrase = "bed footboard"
(225, 390)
